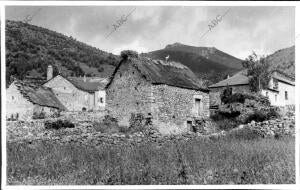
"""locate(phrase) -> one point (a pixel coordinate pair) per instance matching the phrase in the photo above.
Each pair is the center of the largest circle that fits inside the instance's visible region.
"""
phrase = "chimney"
(84, 78)
(49, 72)
(228, 76)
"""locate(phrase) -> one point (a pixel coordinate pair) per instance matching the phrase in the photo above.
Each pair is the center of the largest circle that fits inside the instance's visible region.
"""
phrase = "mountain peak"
(176, 44)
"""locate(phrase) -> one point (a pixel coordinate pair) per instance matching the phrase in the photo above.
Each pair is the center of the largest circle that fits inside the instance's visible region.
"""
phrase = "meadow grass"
(196, 161)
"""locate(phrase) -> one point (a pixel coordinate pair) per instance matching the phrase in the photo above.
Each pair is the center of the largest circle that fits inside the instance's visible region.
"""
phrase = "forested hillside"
(30, 49)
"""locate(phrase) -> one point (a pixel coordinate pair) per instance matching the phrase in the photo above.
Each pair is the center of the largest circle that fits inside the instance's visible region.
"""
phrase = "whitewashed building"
(281, 91)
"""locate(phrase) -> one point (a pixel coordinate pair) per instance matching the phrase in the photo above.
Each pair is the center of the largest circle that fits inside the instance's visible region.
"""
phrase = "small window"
(64, 88)
(275, 83)
(12, 97)
(286, 95)
(101, 100)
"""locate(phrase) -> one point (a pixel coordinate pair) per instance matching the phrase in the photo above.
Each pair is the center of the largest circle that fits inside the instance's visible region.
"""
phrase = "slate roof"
(39, 95)
(241, 78)
(89, 84)
(235, 80)
(160, 72)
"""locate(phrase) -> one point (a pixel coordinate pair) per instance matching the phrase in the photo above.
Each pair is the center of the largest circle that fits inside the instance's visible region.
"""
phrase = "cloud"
(241, 31)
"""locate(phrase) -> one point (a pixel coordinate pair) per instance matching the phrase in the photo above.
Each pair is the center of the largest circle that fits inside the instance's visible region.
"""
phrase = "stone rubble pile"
(277, 127)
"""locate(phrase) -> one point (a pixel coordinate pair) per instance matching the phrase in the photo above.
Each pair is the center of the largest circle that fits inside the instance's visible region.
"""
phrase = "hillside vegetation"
(284, 60)
(30, 49)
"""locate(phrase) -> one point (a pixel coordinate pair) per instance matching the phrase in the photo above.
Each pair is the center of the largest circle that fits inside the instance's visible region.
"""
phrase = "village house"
(23, 100)
(78, 93)
(169, 92)
(281, 91)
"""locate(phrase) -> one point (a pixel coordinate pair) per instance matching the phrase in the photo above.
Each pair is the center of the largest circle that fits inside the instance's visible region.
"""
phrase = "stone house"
(168, 92)
(281, 91)
(23, 100)
(78, 93)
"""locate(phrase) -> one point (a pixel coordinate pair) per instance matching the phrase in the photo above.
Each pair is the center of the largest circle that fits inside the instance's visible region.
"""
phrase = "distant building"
(78, 93)
(169, 92)
(281, 91)
(23, 100)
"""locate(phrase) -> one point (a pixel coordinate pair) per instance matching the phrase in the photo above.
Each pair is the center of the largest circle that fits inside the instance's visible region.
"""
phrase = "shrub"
(139, 122)
(223, 122)
(108, 125)
(129, 53)
(243, 108)
(55, 114)
(59, 124)
(39, 115)
(241, 97)
(262, 114)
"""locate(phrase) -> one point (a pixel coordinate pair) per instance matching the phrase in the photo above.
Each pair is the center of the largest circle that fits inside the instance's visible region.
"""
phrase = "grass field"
(197, 161)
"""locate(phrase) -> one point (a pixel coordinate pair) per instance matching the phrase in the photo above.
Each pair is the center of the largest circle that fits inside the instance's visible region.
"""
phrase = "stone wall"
(215, 93)
(128, 93)
(278, 127)
(172, 107)
(84, 134)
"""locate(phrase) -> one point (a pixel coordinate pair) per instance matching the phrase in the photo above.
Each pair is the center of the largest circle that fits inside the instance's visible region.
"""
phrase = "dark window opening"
(83, 109)
(190, 126)
(64, 88)
(286, 95)
(12, 97)
(101, 100)
(275, 84)
(173, 116)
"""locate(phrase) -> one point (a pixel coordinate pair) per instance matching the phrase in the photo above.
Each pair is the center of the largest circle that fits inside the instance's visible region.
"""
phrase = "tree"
(258, 71)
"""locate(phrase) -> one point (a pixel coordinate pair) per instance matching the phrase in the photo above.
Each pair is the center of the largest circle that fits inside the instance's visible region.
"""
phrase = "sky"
(239, 32)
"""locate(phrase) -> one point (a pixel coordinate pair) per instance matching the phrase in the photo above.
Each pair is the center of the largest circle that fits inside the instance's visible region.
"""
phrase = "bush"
(243, 108)
(55, 114)
(241, 97)
(262, 114)
(59, 124)
(39, 115)
(108, 125)
(129, 53)
(223, 122)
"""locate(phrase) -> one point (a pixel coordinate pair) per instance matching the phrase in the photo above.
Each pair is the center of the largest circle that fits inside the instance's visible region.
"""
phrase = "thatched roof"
(161, 72)
(39, 95)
